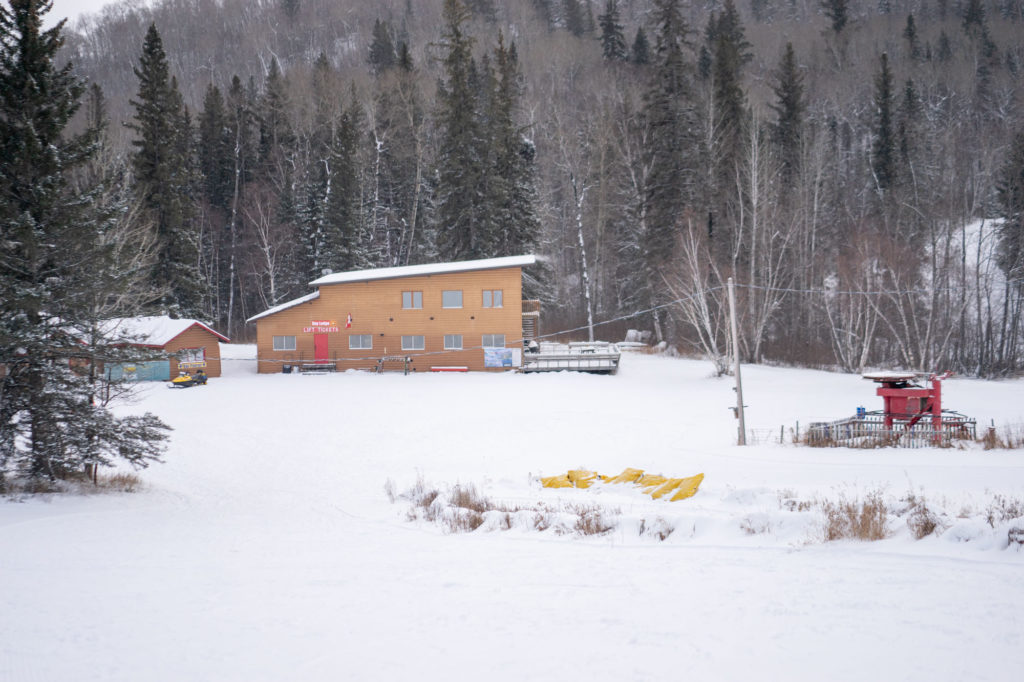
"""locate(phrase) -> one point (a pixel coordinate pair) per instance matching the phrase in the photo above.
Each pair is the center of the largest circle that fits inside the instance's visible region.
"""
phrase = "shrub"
(590, 520)
(865, 519)
(121, 482)
(660, 528)
(1002, 509)
(921, 520)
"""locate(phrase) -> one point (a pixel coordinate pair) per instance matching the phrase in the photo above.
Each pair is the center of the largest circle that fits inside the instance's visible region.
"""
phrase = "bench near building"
(441, 316)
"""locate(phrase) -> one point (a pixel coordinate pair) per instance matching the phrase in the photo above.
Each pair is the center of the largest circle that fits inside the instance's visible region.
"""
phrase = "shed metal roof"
(154, 330)
(425, 269)
(403, 271)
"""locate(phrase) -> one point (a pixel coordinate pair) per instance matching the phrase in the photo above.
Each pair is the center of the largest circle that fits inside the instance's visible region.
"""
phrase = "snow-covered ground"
(265, 548)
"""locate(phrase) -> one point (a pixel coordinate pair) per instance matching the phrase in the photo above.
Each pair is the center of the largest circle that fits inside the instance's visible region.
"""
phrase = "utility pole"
(742, 439)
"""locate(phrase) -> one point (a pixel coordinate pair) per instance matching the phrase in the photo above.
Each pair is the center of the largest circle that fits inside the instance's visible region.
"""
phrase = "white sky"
(73, 8)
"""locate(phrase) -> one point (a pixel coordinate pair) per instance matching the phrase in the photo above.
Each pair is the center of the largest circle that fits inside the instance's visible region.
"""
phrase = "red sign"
(323, 323)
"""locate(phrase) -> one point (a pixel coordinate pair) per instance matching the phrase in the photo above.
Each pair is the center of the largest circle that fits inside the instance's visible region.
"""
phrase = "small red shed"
(189, 344)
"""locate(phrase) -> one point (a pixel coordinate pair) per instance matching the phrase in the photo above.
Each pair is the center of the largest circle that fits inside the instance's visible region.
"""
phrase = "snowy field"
(265, 548)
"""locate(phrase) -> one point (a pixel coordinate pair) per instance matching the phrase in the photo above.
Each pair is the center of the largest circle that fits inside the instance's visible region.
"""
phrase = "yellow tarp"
(655, 485)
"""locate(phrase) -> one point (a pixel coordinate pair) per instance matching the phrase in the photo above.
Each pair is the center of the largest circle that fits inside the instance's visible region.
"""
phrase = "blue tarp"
(155, 370)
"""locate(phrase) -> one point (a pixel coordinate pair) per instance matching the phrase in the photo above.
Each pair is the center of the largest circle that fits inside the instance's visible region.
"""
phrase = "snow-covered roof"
(426, 269)
(285, 305)
(156, 330)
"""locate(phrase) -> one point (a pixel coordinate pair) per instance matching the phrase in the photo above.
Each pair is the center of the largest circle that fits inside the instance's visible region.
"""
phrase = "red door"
(320, 348)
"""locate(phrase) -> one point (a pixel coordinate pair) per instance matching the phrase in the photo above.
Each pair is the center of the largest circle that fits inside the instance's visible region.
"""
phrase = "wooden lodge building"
(437, 317)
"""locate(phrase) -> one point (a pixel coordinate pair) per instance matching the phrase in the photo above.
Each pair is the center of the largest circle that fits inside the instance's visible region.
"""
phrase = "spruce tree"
(883, 146)
(163, 178)
(910, 33)
(459, 212)
(382, 48)
(640, 54)
(55, 247)
(1010, 192)
(573, 14)
(838, 13)
(789, 107)
(613, 42)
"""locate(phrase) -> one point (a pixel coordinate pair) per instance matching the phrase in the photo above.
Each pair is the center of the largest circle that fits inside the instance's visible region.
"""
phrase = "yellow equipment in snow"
(184, 380)
(655, 485)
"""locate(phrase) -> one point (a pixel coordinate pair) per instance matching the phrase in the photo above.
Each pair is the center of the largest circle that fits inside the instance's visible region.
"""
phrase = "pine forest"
(856, 167)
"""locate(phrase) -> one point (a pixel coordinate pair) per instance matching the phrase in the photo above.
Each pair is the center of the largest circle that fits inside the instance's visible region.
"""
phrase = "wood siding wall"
(196, 337)
(376, 309)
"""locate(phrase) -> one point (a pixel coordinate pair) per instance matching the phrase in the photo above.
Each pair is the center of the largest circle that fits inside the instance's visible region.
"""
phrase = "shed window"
(451, 299)
(453, 341)
(412, 299)
(284, 343)
(493, 341)
(191, 355)
(412, 343)
(492, 298)
(360, 341)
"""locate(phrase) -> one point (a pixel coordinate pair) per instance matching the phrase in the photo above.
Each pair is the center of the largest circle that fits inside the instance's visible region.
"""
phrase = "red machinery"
(908, 402)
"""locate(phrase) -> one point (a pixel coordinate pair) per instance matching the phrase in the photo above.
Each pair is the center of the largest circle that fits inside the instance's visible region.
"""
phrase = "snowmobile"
(184, 380)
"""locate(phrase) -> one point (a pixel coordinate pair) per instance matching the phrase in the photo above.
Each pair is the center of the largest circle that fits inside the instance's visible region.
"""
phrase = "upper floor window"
(412, 299)
(492, 298)
(451, 298)
(284, 343)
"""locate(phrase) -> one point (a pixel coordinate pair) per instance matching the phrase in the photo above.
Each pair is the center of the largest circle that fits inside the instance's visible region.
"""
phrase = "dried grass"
(590, 520)
(1009, 437)
(921, 520)
(462, 509)
(866, 519)
(1002, 509)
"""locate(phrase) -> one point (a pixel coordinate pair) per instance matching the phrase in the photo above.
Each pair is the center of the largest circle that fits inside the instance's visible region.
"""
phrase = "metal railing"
(877, 430)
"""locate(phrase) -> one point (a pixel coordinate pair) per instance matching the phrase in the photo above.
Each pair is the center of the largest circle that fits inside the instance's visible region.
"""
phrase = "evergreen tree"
(974, 17)
(613, 42)
(460, 174)
(731, 53)
(276, 136)
(513, 204)
(382, 49)
(838, 13)
(1010, 191)
(214, 150)
(163, 177)
(405, 57)
(883, 147)
(789, 107)
(344, 246)
(574, 17)
(910, 33)
(673, 144)
(641, 51)
(55, 247)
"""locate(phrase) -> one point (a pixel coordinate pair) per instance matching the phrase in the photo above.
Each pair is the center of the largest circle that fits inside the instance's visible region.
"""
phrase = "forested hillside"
(856, 166)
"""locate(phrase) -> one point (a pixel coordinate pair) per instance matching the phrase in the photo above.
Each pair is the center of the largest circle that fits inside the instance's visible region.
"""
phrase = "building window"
(453, 341)
(492, 298)
(191, 355)
(284, 343)
(412, 343)
(412, 299)
(451, 299)
(360, 341)
(493, 341)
